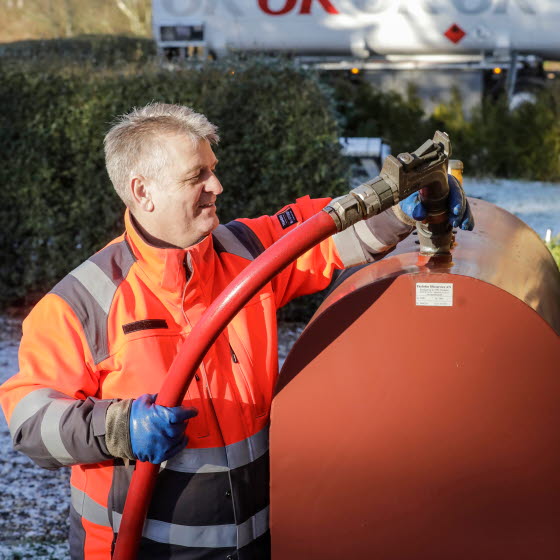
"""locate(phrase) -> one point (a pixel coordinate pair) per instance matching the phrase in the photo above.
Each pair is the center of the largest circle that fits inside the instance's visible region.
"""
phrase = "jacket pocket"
(250, 381)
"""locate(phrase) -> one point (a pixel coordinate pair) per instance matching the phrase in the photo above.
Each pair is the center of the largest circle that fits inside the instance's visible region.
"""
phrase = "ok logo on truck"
(289, 5)
(468, 7)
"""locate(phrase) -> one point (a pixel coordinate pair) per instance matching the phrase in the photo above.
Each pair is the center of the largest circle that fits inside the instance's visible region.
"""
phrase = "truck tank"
(417, 415)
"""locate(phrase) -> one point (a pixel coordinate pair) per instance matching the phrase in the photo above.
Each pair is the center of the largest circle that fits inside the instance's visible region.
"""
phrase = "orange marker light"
(355, 71)
(497, 70)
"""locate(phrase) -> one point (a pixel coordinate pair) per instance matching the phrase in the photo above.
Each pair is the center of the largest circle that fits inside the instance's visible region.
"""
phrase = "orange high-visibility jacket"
(111, 329)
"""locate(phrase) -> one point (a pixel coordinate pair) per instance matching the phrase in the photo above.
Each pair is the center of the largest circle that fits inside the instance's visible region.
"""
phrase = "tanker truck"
(483, 46)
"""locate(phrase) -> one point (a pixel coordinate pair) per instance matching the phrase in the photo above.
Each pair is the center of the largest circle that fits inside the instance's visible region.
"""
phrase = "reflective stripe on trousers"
(240, 455)
(204, 536)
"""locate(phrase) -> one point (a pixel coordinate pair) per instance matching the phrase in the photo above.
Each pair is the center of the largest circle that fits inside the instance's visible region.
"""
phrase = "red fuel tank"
(418, 415)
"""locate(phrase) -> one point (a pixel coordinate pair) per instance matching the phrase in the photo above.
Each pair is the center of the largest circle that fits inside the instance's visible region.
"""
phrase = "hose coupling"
(362, 202)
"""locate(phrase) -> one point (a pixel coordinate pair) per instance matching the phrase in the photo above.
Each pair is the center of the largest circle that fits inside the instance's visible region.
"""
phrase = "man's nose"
(213, 185)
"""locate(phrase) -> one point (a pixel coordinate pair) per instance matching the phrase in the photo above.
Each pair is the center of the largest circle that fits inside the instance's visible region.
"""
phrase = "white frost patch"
(34, 551)
(34, 502)
(534, 202)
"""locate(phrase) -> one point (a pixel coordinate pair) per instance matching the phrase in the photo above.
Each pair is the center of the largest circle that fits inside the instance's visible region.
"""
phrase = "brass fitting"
(456, 169)
(362, 202)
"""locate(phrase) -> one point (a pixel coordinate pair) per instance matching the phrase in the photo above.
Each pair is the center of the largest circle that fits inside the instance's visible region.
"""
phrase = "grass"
(554, 247)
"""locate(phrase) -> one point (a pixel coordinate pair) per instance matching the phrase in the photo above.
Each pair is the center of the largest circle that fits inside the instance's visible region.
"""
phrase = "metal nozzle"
(399, 177)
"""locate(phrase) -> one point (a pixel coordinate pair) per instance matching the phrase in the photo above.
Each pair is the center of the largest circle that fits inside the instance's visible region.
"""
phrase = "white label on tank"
(437, 295)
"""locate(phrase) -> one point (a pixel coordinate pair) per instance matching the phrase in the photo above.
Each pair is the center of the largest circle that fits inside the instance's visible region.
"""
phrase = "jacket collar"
(165, 266)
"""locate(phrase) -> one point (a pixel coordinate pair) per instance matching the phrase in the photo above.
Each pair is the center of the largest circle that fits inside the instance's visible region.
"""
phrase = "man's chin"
(211, 226)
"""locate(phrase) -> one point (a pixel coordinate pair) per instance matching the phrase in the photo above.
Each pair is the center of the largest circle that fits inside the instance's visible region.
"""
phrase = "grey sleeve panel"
(117, 428)
(349, 247)
(56, 430)
(89, 291)
(78, 427)
(238, 239)
(98, 416)
(28, 440)
(115, 261)
(402, 216)
(371, 239)
(88, 311)
(228, 242)
(247, 237)
(388, 228)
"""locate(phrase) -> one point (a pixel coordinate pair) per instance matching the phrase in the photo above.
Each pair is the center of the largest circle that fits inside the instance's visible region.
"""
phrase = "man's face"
(184, 196)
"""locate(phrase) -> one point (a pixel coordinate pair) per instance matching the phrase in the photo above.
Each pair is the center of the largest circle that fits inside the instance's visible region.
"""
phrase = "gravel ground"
(34, 502)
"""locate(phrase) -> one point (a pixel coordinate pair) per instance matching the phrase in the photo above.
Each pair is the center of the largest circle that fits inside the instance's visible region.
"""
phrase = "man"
(96, 349)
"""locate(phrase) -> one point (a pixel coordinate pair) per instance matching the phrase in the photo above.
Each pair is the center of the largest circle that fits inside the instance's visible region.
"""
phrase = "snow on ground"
(536, 203)
(34, 502)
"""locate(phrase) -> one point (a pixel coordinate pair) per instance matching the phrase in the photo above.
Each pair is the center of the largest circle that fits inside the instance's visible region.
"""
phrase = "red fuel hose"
(182, 370)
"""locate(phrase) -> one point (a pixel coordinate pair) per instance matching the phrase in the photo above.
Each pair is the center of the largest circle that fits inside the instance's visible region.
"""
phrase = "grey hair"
(134, 144)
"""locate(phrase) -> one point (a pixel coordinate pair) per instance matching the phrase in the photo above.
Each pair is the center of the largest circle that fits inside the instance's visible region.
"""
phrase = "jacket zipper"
(188, 275)
(205, 383)
(252, 390)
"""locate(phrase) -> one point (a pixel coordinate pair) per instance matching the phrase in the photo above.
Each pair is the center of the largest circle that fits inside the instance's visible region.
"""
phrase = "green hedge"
(493, 142)
(279, 141)
(366, 111)
(522, 144)
(96, 50)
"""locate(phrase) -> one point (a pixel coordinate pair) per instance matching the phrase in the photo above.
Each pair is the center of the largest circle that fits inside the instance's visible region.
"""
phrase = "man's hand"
(460, 214)
(157, 432)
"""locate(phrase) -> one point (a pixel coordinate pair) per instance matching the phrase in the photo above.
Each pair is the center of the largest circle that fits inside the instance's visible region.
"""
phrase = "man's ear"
(141, 194)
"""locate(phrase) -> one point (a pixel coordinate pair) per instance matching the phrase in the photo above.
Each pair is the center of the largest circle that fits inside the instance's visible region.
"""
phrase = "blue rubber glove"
(460, 214)
(157, 432)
